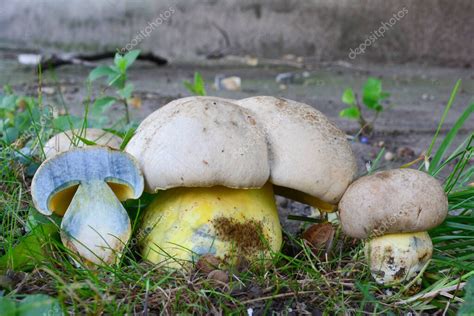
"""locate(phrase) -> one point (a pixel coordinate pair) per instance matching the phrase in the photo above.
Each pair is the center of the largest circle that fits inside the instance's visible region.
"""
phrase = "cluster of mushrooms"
(214, 166)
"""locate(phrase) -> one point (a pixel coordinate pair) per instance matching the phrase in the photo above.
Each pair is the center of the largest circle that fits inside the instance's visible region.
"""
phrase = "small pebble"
(389, 156)
(48, 90)
(29, 59)
(285, 78)
(251, 61)
(232, 83)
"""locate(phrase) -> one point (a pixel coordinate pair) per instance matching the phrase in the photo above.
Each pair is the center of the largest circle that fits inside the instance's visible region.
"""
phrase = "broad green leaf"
(467, 308)
(120, 62)
(67, 122)
(117, 81)
(7, 307)
(348, 97)
(11, 134)
(101, 71)
(101, 105)
(378, 108)
(31, 250)
(188, 85)
(35, 218)
(39, 304)
(131, 56)
(351, 113)
(199, 85)
(126, 92)
(371, 92)
(8, 102)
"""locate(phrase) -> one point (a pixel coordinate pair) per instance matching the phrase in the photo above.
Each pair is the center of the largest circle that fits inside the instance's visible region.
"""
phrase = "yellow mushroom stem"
(183, 223)
(398, 258)
(304, 198)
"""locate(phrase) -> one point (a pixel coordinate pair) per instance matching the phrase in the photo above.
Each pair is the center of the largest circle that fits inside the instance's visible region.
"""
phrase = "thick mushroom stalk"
(394, 209)
(185, 223)
(395, 258)
(86, 186)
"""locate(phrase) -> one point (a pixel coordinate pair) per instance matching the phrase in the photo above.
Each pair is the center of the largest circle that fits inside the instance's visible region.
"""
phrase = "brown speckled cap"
(392, 201)
(308, 153)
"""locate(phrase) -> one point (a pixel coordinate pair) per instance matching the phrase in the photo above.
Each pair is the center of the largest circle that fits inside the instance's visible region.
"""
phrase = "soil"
(247, 236)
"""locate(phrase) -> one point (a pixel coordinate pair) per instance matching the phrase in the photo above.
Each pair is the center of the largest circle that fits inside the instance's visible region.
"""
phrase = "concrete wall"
(436, 31)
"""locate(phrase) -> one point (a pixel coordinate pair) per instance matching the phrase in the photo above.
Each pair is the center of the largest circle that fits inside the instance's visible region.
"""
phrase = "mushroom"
(207, 161)
(66, 140)
(85, 186)
(393, 210)
(310, 158)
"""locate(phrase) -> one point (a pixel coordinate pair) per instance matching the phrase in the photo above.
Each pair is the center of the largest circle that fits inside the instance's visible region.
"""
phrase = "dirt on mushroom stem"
(248, 236)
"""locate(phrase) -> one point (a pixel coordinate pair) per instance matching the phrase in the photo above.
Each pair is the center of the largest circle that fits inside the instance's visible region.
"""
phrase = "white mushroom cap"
(307, 152)
(66, 140)
(393, 201)
(200, 142)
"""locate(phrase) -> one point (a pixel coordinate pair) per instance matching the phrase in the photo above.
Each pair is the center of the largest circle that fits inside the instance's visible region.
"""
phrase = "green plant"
(197, 87)
(372, 97)
(116, 77)
(36, 304)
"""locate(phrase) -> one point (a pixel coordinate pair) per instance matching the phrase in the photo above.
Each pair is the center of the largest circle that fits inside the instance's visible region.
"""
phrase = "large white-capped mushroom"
(211, 188)
(393, 210)
(69, 139)
(310, 158)
(85, 186)
(214, 143)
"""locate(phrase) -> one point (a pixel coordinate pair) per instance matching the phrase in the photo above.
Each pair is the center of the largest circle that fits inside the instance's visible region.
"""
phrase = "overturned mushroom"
(86, 185)
(310, 158)
(66, 140)
(207, 160)
(393, 210)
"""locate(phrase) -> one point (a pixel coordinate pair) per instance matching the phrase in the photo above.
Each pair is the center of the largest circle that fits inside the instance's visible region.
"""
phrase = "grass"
(295, 279)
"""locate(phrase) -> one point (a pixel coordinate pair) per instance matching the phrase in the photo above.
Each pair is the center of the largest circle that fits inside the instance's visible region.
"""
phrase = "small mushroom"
(66, 140)
(86, 185)
(393, 210)
(310, 158)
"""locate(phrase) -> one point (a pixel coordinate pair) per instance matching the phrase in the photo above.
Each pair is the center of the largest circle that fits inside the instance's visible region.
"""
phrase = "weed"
(372, 97)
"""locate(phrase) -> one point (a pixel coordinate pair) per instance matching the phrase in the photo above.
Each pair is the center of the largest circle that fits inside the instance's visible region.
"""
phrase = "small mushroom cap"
(66, 140)
(393, 201)
(200, 142)
(307, 152)
(57, 179)
(398, 258)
